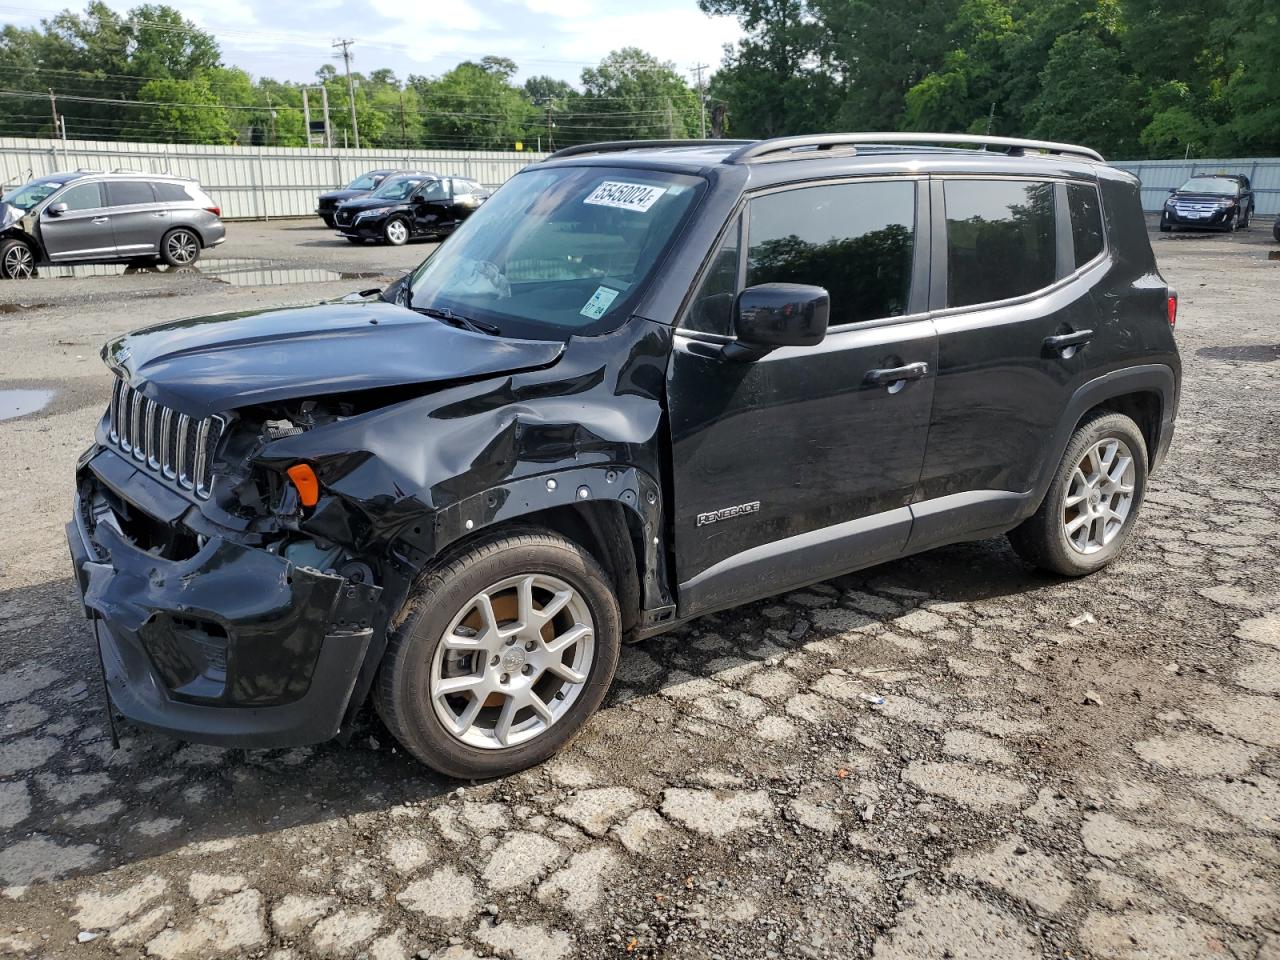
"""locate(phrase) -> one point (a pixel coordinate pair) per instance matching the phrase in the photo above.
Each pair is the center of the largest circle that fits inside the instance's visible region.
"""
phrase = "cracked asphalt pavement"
(946, 756)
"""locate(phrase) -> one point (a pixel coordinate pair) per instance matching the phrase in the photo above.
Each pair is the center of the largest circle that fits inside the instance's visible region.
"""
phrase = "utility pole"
(404, 137)
(671, 125)
(53, 107)
(351, 87)
(702, 99)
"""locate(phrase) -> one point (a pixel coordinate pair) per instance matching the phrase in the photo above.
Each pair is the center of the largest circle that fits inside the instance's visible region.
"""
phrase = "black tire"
(328, 221)
(1164, 226)
(396, 231)
(1275, 231)
(1042, 540)
(402, 688)
(1234, 223)
(17, 260)
(180, 247)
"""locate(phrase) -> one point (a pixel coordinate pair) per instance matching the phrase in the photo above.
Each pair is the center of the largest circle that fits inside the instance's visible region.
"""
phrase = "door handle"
(99, 219)
(912, 371)
(1065, 340)
(160, 213)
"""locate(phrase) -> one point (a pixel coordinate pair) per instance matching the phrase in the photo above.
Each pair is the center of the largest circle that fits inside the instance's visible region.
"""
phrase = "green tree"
(183, 111)
(473, 106)
(631, 95)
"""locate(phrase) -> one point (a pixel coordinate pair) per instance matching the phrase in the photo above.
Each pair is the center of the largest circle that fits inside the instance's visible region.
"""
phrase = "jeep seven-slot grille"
(172, 444)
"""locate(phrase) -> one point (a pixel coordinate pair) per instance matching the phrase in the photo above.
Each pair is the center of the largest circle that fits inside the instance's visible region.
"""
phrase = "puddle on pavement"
(19, 307)
(1250, 353)
(239, 272)
(19, 403)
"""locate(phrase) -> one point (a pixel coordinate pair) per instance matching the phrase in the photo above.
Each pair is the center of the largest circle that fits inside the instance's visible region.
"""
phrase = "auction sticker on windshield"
(599, 303)
(625, 196)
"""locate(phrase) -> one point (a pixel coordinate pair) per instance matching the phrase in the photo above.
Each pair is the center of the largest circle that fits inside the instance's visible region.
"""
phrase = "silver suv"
(90, 217)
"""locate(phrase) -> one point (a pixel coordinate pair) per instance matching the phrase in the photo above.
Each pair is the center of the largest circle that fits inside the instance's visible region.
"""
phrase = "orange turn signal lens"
(304, 478)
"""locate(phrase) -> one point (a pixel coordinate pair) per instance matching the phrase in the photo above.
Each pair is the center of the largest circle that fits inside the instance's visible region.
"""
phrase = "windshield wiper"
(457, 320)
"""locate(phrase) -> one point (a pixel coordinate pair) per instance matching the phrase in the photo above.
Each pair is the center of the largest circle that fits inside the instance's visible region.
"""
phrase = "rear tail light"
(1173, 310)
(216, 211)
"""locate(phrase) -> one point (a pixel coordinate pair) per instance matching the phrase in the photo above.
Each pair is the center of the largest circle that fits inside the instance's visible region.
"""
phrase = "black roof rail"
(618, 146)
(817, 143)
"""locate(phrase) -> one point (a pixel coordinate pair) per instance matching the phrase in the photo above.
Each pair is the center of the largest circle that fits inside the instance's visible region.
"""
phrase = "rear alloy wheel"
(500, 656)
(180, 248)
(17, 260)
(1092, 503)
(396, 231)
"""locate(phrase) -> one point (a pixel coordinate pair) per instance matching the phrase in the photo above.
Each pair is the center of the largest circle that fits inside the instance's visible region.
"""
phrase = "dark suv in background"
(88, 217)
(642, 383)
(1209, 202)
(408, 207)
(366, 183)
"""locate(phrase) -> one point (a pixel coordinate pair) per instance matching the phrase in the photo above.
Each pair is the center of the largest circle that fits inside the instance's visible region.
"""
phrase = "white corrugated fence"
(264, 182)
(1158, 176)
(249, 182)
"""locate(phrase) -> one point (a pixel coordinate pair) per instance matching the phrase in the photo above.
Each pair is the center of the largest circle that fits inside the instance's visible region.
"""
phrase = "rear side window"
(170, 192)
(82, 196)
(1000, 239)
(1086, 221)
(854, 239)
(121, 193)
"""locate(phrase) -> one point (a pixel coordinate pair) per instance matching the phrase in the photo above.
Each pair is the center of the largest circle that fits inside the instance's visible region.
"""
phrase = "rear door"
(1015, 320)
(84, 231)
(138, 219)
(801, 465)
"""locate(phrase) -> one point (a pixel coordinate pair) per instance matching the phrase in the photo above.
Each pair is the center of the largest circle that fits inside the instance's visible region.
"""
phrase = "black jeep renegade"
(645, 381)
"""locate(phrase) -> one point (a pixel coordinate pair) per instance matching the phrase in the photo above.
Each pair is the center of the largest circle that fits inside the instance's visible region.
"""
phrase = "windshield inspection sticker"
(599, 303)
(625, 196)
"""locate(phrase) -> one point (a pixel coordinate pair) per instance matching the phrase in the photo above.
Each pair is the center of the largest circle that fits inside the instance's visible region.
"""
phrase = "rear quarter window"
(170, 192)
(1086, 221)
(1001, 239)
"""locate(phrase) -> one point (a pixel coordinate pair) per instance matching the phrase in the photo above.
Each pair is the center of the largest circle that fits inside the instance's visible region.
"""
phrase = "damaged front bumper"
(231, 645)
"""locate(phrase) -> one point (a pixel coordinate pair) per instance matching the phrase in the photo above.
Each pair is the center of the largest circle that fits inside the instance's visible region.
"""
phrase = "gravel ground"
(1058, 769)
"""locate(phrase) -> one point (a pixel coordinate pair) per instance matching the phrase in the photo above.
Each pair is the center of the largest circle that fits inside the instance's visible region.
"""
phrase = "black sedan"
(410, 207)
(362, 185)
(1209, 202)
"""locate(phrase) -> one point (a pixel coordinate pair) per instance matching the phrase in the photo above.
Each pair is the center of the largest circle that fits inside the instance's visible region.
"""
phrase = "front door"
(83, 231)
(139, 219)
(801, 465)
(431, 208)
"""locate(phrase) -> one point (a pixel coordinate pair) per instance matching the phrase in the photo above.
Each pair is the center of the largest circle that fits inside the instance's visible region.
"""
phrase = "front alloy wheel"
(396, 232)
(17, 261)
(500, 654)
(513, 662)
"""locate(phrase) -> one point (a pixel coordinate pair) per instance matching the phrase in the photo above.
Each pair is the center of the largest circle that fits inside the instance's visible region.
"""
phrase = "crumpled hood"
(206, 365)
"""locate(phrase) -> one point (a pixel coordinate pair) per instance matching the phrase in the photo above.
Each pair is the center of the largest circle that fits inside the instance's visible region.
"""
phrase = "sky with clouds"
(290, 39)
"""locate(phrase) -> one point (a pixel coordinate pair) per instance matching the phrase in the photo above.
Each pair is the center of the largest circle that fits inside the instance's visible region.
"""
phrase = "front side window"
(82, 196)
(123, 193)
(1000, 239)
(1086, 221)
(433, 190)
(854, 239)
(558, 252)
(711, 309)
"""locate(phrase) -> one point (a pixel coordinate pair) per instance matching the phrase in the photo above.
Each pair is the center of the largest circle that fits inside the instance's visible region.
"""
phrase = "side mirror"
(1173, 189)
(57, 209)
(419, 200)
(772, 315)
